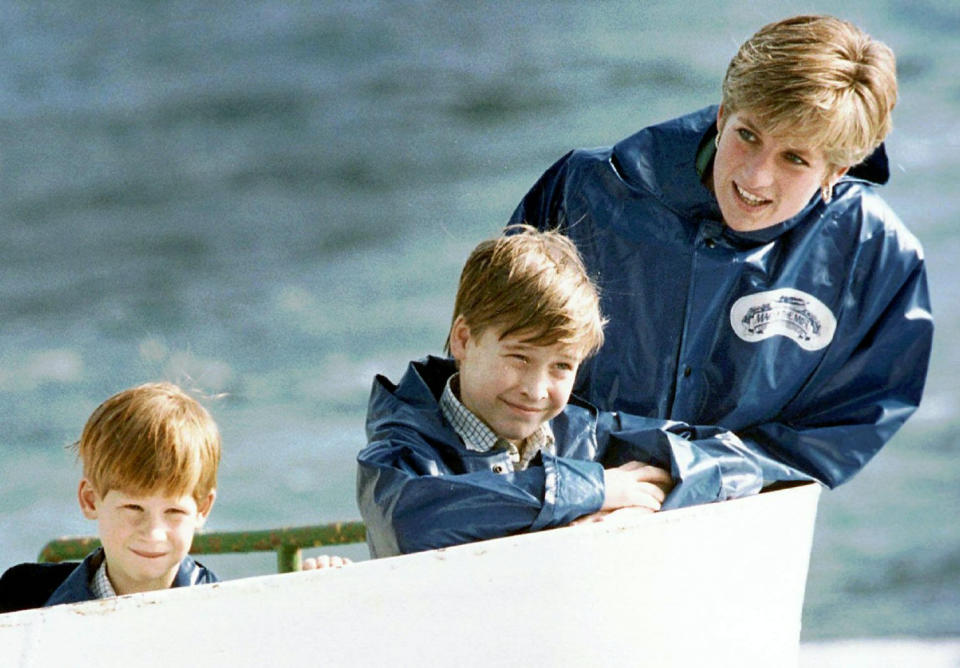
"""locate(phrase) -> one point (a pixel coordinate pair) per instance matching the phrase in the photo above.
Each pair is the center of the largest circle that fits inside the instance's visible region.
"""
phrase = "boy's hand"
(630, 489)
(635, 484)
(324, 561)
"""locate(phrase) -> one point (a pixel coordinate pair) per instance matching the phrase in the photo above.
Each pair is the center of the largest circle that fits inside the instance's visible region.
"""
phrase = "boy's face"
(144, 537)
(512, 386)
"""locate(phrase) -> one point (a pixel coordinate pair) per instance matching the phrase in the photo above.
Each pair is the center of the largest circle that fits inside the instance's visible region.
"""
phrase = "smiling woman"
(753, 277)
(761, 179)
(806, 99)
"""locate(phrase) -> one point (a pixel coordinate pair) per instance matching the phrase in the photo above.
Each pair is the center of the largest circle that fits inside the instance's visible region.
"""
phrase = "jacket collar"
(76, 587)
(414, 400)
(662, 159)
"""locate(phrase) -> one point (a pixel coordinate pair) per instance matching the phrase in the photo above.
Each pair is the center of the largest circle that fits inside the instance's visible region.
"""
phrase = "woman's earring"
(716, 140)
(826, 192)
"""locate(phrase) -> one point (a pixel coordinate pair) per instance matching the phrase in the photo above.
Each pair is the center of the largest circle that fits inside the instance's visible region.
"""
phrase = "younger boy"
(486, 445)
(150, 456)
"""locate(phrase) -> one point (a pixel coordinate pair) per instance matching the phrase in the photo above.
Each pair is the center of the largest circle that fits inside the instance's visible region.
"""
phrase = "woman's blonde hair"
(153, 438)
(819, 80)
(534, 284)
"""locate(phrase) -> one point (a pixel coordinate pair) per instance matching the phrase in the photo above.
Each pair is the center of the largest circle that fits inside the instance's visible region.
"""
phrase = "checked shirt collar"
(478, 437)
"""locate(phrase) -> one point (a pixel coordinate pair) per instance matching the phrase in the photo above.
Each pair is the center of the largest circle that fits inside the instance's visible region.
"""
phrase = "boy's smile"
(144, 536)
(513, 386)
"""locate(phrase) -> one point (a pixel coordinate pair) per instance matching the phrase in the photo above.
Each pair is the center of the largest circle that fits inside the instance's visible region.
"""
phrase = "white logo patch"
(785, 312)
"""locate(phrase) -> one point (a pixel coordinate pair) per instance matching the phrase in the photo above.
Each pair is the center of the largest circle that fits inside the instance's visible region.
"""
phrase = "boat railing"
(287, 542)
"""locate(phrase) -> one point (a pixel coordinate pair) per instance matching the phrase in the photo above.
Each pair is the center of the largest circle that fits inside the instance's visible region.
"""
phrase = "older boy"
(150, 456)
(487, 445)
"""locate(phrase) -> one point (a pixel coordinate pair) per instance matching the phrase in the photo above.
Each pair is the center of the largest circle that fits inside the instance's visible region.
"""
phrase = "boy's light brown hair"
(530, 283)
(149, 439)
(818, 80)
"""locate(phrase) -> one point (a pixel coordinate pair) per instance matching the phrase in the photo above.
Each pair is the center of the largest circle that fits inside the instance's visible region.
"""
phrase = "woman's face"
(760, 179)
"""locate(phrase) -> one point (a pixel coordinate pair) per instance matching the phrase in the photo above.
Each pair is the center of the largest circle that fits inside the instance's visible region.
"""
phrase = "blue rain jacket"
(419, 488)
(76, 587)
(807, 342)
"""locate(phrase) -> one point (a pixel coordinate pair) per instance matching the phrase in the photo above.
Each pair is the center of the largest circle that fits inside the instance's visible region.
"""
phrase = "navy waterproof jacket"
(76, 587)
(806, 342)
(419, 488)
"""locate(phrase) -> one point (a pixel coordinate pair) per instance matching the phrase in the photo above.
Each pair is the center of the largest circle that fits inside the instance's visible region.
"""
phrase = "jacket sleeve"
(706, 463)
(411, 501)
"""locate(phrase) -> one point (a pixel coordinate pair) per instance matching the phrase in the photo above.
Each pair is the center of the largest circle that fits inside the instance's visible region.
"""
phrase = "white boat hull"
(715, 585)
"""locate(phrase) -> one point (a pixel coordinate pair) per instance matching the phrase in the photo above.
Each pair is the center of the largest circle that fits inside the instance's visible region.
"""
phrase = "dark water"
(273, 200)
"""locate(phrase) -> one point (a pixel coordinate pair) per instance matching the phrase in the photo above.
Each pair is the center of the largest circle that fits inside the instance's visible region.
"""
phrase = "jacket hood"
(414, 399)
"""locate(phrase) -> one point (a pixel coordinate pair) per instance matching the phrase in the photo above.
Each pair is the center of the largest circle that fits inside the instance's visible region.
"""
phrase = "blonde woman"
(752, 274)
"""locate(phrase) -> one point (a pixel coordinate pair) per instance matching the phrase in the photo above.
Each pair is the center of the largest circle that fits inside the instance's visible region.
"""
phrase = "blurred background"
(272, 201)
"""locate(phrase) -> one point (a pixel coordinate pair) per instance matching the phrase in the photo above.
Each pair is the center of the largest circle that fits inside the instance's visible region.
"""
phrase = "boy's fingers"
(653, 474)
(635, 484)
(324, 561)
(643, 472)
(656, 491)
(647, 495)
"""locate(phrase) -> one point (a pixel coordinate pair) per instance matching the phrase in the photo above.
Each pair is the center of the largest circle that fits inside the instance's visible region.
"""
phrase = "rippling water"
(273, 202)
